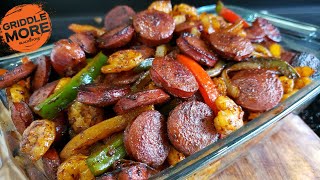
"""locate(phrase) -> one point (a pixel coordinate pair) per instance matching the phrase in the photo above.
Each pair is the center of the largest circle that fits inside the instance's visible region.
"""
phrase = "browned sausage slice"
(154, 27)
(260, 90)
(117, 37)
(108, 176)
(197, 49)
(137, 171)
(67, 58)
(21, 115)
(173, 77)
(42, 73)
(119, 15)
(11, 77)
(190, 127)
(187, 27)
(126, 169)
(120, 79)
(261, 28)
(144, 98)
(145, 138)
(100, 95)
(62, 124)
(144, 50)
(287, 55)
(51, 161)
(231, 46)
(86, 41)
(270, 30)
(42, 94)
(255, 33)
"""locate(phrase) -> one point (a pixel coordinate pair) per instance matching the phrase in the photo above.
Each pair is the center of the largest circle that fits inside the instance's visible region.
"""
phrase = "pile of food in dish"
(147, 90)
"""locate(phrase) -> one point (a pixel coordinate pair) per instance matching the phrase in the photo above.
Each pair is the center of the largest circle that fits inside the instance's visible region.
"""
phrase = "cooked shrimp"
(190, 11)
(19, 93)
(164, 6)
(123, 60)
(82, 116)
(74, 168)
(37, 138)
(229, 117)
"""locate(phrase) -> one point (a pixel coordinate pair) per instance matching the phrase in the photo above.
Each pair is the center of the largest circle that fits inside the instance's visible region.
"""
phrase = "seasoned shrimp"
(123, 60)
(82, 116)
(221, 85)
(164, 6)
(229, 117)
(19, 93)
(74, 168)
(37, 138)
(190, 11)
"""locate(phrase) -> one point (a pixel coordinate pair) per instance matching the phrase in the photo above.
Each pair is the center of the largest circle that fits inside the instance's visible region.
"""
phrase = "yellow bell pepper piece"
(62, 82)
(99, 131)
(304, 71)
(275, 50)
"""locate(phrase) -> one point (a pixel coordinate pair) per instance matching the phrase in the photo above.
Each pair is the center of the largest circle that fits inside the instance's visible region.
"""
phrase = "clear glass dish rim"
(217, 150)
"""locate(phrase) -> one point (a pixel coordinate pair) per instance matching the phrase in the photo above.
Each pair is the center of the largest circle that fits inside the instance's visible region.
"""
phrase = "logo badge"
(26, 27)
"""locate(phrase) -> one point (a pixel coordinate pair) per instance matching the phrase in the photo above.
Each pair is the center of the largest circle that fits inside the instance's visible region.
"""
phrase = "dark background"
(65, 12)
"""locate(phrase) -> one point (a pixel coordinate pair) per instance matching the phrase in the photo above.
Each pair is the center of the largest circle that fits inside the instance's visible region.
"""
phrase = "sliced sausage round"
(173, 77)
(136, 171)
(154, 27)
(21, 115)
(62, 124)
(51, 161)
(121, 79)
(231, 46)
(260, 90)
(42, 73)
(67, 58)
(255, 33)
(187, 27)
(42, 94)
(100, 95)
(270, 30)
(119, 15)
(197, 49)
(12, 77)
(190, 127)
(86, 41)
(117, 37)
(288, 55)
(261, 28)
(144, 50)
(144, 98)
(145, 139)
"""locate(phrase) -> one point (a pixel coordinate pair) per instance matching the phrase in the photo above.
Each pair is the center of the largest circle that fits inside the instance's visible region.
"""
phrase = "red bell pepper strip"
(229, 15)
(207, 88)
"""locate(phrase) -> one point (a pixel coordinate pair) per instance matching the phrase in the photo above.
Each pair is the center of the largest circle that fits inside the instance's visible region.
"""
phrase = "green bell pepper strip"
(142, 82)
(278, 65)
(100, 161)
(144, 65)
(60, 100)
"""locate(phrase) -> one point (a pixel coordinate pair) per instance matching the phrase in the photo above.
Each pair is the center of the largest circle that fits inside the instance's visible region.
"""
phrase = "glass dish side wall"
(296, 36)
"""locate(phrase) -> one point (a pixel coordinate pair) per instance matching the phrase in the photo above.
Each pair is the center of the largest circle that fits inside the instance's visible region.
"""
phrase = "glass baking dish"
(214, 158)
